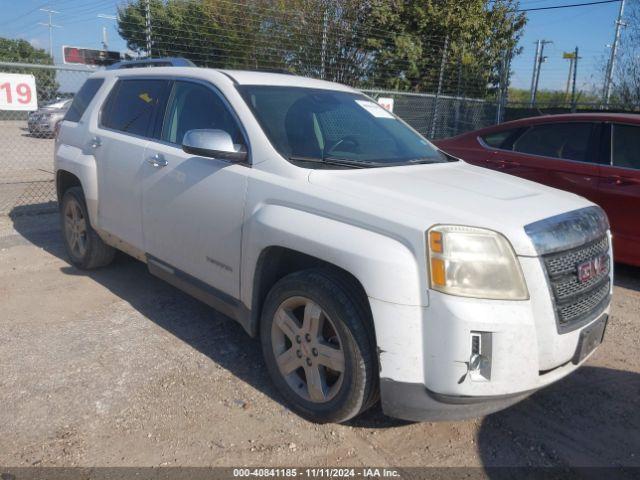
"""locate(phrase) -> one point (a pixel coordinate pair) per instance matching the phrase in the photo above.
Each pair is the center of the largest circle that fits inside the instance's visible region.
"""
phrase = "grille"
(578, 302)
(567, 262)
(576, 310)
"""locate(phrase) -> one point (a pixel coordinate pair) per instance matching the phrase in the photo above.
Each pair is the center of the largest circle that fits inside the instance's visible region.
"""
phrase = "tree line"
(457, 48)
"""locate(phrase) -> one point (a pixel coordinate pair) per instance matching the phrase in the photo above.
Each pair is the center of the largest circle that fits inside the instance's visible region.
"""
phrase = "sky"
(591, 28)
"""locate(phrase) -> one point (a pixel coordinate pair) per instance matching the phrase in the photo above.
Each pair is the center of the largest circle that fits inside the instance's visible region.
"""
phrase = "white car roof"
(246, 77)
(240, 77)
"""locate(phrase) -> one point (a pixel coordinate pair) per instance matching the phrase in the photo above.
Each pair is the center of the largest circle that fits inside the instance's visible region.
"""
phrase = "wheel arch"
(64, 181)
(276, 262)
(75, 169)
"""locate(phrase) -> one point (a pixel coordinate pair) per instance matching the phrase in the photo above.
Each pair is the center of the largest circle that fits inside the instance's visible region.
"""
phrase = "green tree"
(21, 51)
(211, 33)
(411, 37)
(392, 44)
(550, 98)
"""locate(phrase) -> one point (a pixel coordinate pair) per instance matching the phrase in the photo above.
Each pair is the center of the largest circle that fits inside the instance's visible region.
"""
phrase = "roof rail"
(152, 62)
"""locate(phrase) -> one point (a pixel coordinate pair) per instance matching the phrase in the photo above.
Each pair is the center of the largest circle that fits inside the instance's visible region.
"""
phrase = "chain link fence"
(26, 137)
(439, 116)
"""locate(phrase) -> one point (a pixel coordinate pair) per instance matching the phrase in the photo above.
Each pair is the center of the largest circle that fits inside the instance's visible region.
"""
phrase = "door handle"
(622, 181)
(96, 142)
(503, 164)
(157, 161)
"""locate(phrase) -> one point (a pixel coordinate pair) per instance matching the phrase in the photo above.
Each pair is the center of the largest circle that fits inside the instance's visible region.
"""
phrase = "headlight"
(474, 262)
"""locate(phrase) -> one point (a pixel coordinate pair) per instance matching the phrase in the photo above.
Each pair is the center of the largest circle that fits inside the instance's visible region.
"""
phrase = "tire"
(85, 248)
(334, 337)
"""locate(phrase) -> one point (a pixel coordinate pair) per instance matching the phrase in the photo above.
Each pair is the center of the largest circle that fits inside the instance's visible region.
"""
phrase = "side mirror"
(213, 144)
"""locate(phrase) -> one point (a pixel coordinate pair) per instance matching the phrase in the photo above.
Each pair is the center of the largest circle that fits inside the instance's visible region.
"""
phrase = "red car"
(594, 155)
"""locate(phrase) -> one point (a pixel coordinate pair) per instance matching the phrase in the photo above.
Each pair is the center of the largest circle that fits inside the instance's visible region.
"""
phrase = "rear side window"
(569, 141)
(497, 139)
(626, 146)
(132, 105)
(83, 98)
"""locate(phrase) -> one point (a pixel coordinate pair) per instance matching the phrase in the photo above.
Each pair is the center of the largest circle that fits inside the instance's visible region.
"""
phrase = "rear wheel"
(318, 349)
(85, 248)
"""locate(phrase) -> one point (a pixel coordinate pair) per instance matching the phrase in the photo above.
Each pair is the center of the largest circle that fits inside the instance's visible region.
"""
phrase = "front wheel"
(317, 345)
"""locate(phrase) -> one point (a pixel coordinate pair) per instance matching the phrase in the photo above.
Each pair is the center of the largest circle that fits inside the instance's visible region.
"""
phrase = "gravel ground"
(117, 368)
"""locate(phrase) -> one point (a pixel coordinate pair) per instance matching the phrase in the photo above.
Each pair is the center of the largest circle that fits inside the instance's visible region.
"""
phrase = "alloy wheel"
(308, 350)
(75, 228)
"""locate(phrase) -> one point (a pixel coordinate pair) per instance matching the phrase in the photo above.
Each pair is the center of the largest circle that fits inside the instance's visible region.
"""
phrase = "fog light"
(480, 356)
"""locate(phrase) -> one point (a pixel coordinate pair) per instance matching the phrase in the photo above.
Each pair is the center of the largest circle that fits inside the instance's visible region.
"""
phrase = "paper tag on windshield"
(374, 109)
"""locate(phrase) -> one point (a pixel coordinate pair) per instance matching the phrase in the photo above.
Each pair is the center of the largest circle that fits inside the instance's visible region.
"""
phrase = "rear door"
(620, 187)
(119, 142)
(561, 155)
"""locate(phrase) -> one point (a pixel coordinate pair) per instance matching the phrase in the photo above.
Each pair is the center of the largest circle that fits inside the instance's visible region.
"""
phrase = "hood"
(454, 193)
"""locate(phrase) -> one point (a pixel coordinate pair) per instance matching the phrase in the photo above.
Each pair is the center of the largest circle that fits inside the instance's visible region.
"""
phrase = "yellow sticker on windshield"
(145, 96)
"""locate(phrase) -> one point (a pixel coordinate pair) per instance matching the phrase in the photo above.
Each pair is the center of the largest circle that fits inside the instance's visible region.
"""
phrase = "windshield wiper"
(418, 161)
(340, 162)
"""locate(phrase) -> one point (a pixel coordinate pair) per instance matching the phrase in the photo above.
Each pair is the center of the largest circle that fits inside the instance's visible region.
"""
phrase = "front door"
(620, 191)
(193, 206)
(119, 143)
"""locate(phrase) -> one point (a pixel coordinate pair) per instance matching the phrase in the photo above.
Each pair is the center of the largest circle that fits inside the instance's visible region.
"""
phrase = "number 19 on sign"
(18, 92)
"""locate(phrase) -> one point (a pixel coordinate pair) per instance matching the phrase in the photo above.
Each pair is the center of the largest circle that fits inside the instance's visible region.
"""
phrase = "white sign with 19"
(18, 92)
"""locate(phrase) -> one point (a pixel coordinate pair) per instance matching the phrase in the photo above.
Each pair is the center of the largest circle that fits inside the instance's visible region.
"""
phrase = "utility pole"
(535, 72)
(325, 25)
(443, 64)
(541, 60)
(505, 77)
(147, 12)
(51, 26)
(571, 57)
(608, 81)
(574, 98)
(105, 39)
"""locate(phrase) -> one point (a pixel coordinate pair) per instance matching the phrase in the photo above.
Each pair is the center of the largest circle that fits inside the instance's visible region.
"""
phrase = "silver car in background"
(43, 121)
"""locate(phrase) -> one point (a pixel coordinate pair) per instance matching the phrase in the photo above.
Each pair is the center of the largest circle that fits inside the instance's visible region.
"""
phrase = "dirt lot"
(116, 368)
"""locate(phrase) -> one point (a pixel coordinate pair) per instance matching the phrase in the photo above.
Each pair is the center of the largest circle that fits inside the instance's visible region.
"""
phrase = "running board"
(220, 301)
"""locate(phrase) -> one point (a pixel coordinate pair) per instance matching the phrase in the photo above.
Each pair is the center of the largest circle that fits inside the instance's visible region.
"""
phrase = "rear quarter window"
(626, 146)
(82, 99)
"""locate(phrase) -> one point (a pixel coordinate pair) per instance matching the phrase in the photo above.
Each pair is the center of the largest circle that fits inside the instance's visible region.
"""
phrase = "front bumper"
(412, 401)
(41, 126)
(424, 352)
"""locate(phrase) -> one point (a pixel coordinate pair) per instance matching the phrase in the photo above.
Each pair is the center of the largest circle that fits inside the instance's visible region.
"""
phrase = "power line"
(586, 4)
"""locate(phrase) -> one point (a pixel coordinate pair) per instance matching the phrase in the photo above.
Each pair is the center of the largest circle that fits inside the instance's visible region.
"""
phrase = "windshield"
(306, 124)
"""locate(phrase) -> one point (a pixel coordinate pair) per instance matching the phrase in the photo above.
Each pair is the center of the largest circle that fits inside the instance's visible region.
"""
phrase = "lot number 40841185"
(18, 92)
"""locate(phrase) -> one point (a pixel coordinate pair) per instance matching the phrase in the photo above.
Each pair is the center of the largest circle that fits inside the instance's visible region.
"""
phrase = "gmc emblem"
(592, 268)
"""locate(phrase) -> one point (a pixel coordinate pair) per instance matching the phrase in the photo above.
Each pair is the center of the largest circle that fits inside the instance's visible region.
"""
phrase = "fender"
(75, 161)
(386, 268)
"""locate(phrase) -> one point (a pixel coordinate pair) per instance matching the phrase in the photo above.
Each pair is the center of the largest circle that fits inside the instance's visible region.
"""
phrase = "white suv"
(369, 263)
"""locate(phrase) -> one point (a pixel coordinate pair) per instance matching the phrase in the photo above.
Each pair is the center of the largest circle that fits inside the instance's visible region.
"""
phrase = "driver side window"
(194, 106)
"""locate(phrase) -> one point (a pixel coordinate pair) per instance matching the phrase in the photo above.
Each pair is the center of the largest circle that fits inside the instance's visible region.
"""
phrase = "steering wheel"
(350, 140)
